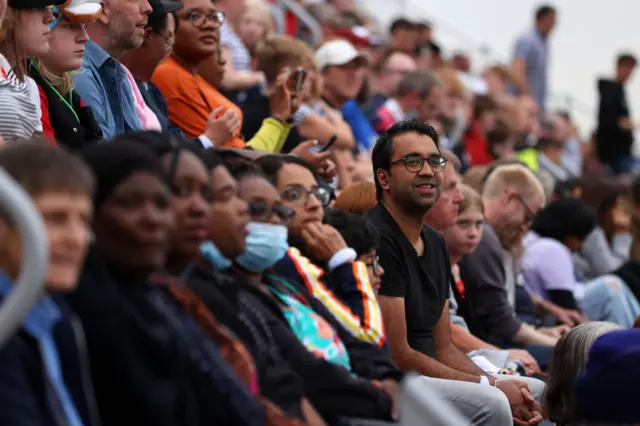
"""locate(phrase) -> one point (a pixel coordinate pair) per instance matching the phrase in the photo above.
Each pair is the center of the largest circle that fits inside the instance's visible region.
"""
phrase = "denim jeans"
(608, 298)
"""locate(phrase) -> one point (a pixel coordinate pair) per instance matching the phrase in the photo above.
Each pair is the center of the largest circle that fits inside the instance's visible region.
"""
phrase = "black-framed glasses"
(261, 211)
(299, 194)
(530, 215)
(415, 163)
(199, 18)
(375, 266)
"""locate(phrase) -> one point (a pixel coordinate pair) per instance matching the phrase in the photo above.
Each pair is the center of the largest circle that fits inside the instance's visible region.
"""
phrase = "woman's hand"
(222, 128)
(284, 102)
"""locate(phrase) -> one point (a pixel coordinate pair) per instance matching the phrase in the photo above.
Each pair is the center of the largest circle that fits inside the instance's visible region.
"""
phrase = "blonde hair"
(10, 45)
(514, 177)
(471, 199)
(474, 178)
(357, 198)
(62, 83)
(277, 51)
(450, 80)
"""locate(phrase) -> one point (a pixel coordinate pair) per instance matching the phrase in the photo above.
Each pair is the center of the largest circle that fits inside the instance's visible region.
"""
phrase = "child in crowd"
(24, 35)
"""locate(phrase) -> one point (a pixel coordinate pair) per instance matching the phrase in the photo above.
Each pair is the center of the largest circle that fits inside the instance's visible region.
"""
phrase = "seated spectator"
(602, 391)
(114, 106)
(274, 55)
(156, 47)
(501, 140)
(433, 105)
(143, 369)
(512, 195)
(607, 247)
(189, 97)
(65, 118)
(569, 360)
(25, 34)
(388, 73)
(412, 89)
(462, 239)
(414, 291)
(360, 235)
(238, 75)
(343, 70)
(190, 186)
(318, 256)
(547, 266)
(357, 198)
(475, 140)
(254, 25)
(404, 36)
(233, 292)
(42, 380)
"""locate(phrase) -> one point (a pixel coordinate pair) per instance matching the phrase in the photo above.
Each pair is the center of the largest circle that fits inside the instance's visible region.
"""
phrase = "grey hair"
(420, 82)
(570, 356)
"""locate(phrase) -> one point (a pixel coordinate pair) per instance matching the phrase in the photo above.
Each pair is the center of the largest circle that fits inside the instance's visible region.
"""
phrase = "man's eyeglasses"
(374, 265)
(529, 214)
(261, 211)
(299, 194)
(415, 163)
(198, 18)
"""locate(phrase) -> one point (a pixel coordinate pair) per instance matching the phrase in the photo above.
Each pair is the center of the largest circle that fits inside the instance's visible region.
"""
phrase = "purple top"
(547, 265)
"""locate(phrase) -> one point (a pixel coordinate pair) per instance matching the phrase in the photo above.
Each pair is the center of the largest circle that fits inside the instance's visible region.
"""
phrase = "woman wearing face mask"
(65, 118)
(25, 34)
(144, 367)
(306, 317)
(191, 198)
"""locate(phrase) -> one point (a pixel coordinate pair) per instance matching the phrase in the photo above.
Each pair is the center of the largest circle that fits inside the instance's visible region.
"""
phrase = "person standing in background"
(614, 136)
(531, 57)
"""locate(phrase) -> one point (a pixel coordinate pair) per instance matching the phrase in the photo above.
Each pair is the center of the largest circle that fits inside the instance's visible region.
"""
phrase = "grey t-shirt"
(533, 48)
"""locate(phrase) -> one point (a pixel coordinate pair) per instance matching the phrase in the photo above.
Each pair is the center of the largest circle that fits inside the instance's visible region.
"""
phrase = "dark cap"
(34, 4)
(162, 7)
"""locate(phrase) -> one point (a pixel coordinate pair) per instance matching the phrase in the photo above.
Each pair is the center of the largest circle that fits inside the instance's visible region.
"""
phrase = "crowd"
(247, 229)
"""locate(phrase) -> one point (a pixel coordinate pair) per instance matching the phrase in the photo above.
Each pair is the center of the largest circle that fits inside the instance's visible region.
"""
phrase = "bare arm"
(528, 335)
(466, 341)
(314, 127)
(311, 415)
(405, 357)
(448, 353)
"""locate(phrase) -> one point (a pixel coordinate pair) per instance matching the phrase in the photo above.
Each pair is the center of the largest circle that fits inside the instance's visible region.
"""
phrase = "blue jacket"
(24, 389)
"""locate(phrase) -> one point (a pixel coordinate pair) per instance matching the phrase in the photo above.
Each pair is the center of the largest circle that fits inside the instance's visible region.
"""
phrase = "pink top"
(147, 117)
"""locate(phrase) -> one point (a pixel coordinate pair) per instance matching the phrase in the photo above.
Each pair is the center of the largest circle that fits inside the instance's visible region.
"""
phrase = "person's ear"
(383, 178)
(104, 16)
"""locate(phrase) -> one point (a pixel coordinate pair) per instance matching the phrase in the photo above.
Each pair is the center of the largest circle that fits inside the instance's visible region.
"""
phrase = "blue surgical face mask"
(209, 251)
(266, 244)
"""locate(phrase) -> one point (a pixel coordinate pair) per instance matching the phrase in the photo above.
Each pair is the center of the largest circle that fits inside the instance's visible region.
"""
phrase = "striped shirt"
(240, 57)
(345, 291)
(20, 111)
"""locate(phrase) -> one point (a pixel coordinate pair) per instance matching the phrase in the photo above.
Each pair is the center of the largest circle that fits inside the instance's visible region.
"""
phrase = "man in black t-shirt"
(408, 169)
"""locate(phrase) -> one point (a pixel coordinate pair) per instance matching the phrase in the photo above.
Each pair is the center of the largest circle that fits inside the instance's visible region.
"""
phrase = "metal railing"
(29, 285)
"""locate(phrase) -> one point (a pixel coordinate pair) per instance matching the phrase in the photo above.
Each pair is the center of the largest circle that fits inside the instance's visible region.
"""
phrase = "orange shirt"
(190, 99)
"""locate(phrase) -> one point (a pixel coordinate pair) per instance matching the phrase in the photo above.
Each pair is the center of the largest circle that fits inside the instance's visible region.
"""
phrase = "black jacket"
(24, 388)
(612, 141)
(334, 391)
(143, 375)
(67, 130)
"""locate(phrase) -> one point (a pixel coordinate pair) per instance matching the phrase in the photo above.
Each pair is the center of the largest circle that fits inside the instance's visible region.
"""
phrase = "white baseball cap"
(337, 52)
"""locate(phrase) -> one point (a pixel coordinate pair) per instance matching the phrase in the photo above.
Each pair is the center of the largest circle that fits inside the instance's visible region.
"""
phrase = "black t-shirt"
(423, 281)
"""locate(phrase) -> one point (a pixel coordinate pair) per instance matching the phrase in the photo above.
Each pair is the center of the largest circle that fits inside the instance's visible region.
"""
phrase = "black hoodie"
(612, 142)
